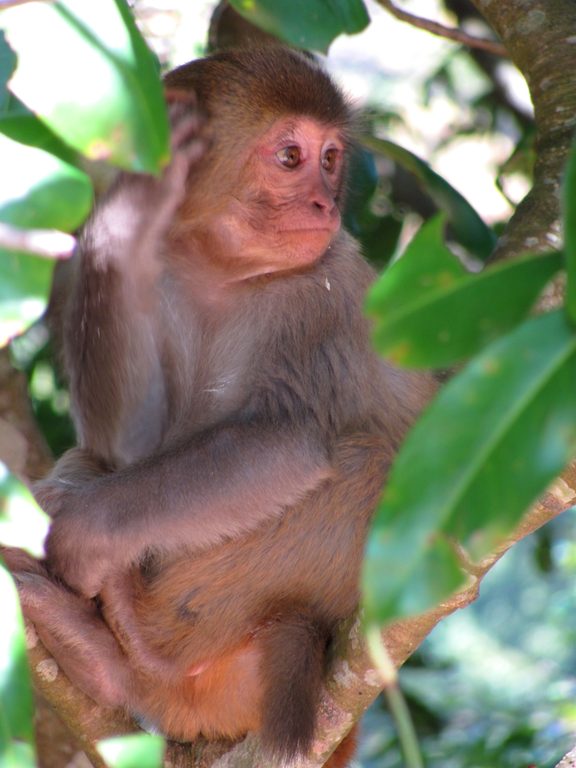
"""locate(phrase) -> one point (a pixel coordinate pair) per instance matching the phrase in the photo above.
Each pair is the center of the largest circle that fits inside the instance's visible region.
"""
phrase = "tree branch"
(569, 760)
(450, 33)
(48, 243)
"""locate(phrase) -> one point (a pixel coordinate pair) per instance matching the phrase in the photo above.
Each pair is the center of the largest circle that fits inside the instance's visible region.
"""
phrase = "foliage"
(24, 525)
(49, 115)
(134, 751)
(493, 685)
(303, 23)
(507, 422)
(16, 709)
(500, 431)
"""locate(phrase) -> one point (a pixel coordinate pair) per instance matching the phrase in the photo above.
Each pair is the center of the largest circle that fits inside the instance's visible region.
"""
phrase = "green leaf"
(19, 123)
(468, 228)
(109, 107)
(379, 236)
(16, 707)
(24, 288)
(309, 24)
(503, 429)
(39, 191)
(569, 199)
(362, 183)
(135, 751)
(430, 312)
(7, 66)
(22, 523)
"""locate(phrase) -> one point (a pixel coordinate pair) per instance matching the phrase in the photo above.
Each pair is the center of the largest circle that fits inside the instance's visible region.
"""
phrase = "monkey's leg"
(73, 632)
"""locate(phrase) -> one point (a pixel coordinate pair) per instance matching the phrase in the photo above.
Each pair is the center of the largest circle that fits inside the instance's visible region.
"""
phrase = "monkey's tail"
(293, 658)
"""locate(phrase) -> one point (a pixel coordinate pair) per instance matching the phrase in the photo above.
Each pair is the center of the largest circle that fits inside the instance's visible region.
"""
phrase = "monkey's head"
(266, 197)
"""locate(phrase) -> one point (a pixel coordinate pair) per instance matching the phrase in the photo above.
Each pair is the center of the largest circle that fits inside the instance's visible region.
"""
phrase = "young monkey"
(234, 424)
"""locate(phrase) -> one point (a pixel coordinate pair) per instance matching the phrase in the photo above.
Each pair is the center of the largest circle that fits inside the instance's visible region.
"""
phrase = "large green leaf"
(569, 199)
(85, 70)
(430, 312)
(306, 23)
(134, 751)
(467, 226)
(24, 288)
(40, 191)
(503, 429)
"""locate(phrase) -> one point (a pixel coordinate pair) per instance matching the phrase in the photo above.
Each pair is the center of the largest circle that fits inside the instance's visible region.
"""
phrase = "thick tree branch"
(569, 760)
(540, 36)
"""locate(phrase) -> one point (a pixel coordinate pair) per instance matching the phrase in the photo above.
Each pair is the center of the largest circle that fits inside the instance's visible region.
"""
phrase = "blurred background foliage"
(493, 686)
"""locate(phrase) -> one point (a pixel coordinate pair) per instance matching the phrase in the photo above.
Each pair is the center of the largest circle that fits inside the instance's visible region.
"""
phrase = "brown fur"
(235, 426)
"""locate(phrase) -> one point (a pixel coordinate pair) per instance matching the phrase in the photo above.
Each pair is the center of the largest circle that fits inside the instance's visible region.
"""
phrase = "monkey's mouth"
(325, 230)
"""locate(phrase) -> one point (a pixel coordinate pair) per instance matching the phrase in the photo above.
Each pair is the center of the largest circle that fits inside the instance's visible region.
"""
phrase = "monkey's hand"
(131, 220)
(79, 549)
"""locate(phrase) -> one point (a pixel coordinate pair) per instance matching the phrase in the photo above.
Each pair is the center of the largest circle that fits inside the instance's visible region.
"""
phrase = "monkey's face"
(279, 208)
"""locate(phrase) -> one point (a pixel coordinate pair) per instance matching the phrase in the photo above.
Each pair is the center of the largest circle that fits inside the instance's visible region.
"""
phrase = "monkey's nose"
(324, 205)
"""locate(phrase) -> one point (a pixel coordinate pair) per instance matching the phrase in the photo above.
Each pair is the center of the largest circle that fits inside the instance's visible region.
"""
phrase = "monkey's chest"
(209, 383)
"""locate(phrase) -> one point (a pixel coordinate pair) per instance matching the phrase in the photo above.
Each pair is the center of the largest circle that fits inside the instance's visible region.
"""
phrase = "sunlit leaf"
(134, 751)
(430, 312)
(85, 70)
(569, 199)
(24, 288)
(309, 24)
(22, 523)
(16, 120)
(503, 429)
(16, 707)
(39, 191)
(467, 226)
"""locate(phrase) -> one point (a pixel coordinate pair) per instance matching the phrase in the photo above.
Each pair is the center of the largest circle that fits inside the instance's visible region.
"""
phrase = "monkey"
(234, 424)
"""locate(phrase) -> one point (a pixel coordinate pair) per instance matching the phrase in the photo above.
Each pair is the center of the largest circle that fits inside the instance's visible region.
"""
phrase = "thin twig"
(9, 3)
(397, 703)
(451, 33)
(41, 242)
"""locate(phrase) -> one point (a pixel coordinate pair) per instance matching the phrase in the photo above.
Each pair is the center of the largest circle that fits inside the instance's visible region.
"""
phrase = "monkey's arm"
(112, 337)
(219, 485)
(109, 330)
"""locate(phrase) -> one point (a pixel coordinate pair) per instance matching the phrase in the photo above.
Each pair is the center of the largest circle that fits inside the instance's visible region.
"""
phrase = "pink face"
(301, 164)
(282, 211)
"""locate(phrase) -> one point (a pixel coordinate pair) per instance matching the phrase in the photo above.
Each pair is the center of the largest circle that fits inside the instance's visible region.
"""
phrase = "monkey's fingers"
(18, 560)
(187, 126)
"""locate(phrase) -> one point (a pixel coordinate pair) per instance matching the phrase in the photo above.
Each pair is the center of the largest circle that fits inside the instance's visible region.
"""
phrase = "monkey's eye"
(329, 160)
(290, 157)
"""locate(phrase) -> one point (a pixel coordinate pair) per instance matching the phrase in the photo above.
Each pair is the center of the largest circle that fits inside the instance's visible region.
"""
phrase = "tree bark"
(540, 36)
